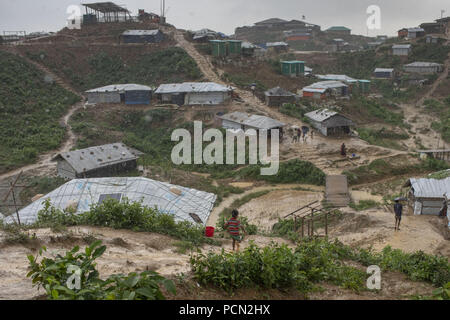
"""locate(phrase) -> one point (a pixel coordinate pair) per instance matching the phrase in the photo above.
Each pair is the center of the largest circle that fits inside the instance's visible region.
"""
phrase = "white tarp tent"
(81, 194)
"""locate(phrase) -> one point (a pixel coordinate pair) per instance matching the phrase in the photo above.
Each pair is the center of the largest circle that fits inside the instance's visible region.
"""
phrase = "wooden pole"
(312, 223)
(15, 204)
(12, 186)
(309, 228)
(295, 223)
(303, 227)
(326, 224)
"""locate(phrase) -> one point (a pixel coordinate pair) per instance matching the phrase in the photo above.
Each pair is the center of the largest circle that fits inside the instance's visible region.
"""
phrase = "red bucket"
(209, 232)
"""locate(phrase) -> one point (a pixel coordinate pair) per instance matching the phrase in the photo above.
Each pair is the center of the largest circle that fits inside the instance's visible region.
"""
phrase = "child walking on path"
(234, 226)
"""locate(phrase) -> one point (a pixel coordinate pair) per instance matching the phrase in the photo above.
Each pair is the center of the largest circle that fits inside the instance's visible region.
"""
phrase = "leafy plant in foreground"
(74, 277)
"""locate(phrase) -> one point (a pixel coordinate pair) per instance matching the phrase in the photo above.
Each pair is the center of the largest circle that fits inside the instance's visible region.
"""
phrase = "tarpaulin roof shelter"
(81, 194)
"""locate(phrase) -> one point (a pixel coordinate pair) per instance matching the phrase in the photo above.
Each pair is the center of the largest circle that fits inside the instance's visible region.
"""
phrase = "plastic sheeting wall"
(154, 194)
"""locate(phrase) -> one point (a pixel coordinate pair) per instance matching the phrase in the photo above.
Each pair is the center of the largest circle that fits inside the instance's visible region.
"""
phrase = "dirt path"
(441, 78)
(375, 227)
(420, 121)
(45, 160)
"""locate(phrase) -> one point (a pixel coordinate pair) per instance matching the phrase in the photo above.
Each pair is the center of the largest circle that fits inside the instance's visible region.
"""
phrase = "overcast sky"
(226, 15)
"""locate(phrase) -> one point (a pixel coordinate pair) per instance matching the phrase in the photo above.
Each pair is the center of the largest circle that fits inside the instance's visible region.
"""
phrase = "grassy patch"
(30, 110)
(293, 171)
(379, 169)
(102, 68)
(382, 137)
(364, 205)
(442, 111)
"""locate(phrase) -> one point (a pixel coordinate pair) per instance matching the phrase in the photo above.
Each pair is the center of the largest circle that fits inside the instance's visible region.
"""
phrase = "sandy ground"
(267, 210)
(126, 252)
(213, 218)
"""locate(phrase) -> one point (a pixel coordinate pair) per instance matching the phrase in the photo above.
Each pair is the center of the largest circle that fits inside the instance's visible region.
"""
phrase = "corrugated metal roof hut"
(244, 121)
(142, 36)
(277, 96)
(415, 33)
(423, 67)
(81, 194)
(401, 49)
(194, 93)
(383, 73)
(120, 93)
(101, 161)
(322, 89)
(330, 122)
(427, 195)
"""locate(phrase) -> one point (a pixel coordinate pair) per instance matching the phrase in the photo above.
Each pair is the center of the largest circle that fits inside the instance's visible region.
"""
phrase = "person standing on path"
(398, 209)
(234, 226)
(444, 209)
(343, 150)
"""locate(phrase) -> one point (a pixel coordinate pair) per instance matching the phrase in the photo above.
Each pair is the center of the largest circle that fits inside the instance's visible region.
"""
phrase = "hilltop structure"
(339, 30)
(276, 29)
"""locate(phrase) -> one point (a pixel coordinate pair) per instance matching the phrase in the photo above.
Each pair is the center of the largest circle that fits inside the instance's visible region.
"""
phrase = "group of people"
(301, 134)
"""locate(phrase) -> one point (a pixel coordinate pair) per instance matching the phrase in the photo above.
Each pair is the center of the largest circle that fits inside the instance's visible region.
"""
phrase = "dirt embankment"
(136, 252)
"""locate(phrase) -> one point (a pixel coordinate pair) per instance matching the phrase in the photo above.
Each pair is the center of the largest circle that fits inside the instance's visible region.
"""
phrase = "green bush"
(58, 277)
(313, 261)
(293, 171)
(125, 215)
(418, 266)
(364, 205)
(277, 266)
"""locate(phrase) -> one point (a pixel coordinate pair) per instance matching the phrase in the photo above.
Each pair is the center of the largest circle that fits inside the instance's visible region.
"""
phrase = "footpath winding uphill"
(45, 160)
(420, 120)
